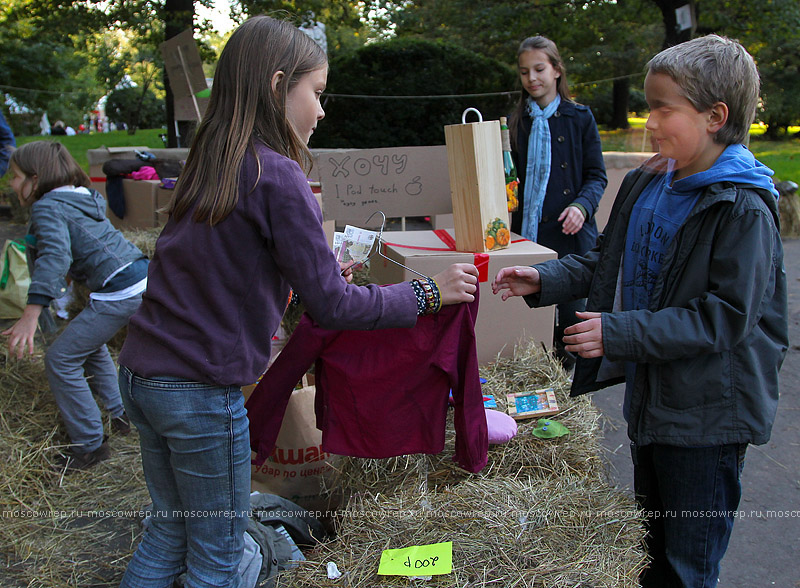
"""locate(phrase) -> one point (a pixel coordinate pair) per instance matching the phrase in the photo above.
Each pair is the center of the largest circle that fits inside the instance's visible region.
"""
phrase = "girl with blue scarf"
(559, 159)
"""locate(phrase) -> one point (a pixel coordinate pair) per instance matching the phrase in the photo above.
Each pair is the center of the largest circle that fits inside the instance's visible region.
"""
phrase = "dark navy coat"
(577, 175)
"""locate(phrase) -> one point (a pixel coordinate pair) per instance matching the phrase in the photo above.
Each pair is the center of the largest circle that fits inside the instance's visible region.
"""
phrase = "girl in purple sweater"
(243, 227)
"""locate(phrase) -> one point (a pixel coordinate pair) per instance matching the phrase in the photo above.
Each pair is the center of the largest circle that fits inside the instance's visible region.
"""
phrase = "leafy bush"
(135, 110)
(408, 67)
(600, 99)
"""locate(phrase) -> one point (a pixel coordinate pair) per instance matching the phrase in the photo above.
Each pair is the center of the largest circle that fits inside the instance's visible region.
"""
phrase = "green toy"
(549, 429)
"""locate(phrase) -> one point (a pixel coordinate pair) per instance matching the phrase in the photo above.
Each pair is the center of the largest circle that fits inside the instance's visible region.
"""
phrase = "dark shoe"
(73, 459)
(121, 425)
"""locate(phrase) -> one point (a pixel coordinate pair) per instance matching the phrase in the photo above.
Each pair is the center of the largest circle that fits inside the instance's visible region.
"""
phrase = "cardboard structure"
(143, 200)
(398, 181)
(186, 78)
(500, 325)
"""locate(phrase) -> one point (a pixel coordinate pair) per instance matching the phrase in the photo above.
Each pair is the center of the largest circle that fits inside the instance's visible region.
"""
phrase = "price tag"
(417, 560)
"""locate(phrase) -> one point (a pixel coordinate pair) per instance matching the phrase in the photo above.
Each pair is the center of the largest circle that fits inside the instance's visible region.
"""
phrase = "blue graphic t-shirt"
(656, 217)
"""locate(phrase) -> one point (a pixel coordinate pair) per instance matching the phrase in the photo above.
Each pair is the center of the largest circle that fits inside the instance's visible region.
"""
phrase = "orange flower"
(503, 236)
(490, 244)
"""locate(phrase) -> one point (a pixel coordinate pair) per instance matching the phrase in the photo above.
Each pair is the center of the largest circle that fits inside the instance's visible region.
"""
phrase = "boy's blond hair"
(715, 69)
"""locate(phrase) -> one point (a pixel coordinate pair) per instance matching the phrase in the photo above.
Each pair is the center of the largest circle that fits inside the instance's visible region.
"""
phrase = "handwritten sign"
(418, 560)
(400, 181)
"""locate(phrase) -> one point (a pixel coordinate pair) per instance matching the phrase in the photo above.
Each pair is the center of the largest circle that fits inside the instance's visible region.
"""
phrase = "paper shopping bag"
(477, 185)
(14, 280)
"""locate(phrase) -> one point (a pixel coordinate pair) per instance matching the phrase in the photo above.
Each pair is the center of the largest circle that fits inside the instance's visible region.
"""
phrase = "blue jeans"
(195, 445)
(78, 364)
(690, 496)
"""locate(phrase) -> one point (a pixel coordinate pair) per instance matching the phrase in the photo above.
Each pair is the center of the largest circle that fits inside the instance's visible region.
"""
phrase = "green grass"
(79, 144)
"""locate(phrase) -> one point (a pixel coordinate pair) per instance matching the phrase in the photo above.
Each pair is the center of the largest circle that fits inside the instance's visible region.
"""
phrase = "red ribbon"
(481, 260)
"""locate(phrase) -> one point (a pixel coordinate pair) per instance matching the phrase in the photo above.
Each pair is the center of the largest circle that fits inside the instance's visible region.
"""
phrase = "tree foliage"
(407, 67)
(135, 108)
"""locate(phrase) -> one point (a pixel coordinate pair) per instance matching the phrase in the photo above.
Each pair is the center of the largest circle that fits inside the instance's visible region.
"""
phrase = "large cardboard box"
(141, 203)
(97, 157)
(501, 325)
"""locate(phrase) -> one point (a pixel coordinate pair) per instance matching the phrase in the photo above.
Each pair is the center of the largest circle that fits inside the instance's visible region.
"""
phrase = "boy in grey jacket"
(686, 303)
(69, 234)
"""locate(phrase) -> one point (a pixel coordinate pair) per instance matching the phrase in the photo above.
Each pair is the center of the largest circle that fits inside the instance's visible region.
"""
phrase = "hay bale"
(75, 530)
(565, 532)
(540, 514)
(789, 208)
(529, 368)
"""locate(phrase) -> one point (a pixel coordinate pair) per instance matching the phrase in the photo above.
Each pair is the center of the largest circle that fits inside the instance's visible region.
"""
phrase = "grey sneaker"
(121, 425)
(73, 459)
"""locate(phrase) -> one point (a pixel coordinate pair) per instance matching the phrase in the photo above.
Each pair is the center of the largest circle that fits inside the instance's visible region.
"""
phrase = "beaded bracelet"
(437, 294)
(429, 299)
(420, 294)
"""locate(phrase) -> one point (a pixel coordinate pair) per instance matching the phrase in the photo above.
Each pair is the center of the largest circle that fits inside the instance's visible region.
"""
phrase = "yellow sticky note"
(417, 560)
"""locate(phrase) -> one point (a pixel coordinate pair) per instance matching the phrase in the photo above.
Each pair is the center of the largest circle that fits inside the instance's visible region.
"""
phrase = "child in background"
(243, 226)
(687, 294)
(69, 234)
(556, 148)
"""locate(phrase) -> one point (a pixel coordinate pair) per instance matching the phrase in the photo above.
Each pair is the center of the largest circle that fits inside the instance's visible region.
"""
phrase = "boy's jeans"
(690, 496)
(195, 445)
(78, 364)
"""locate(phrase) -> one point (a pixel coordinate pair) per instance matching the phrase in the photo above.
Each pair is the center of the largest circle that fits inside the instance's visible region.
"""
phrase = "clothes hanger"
(377, 248)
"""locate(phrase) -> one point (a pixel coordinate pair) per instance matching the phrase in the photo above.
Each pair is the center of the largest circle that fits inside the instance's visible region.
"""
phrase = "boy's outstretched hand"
(586, 337)
(516, 281)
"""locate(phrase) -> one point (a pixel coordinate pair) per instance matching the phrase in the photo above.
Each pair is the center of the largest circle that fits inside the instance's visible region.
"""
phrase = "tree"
(135, 108)
(604, 44)
(407, 67)
(42, 66)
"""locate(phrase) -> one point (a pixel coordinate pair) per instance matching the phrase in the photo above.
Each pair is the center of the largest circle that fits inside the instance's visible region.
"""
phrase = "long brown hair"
(548, 48)
(243, 108)
(52, 165)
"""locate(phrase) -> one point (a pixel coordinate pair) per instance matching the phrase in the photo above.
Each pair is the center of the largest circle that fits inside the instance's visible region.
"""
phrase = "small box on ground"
(501, 325)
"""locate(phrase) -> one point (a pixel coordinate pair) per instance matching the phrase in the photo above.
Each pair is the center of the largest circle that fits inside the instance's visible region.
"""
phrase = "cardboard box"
(97, 157)
(398, 181)
(141, 202)
(501, 325)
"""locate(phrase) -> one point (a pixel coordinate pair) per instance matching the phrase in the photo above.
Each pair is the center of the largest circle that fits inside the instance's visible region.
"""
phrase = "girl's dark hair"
(52, 165)
(549, 48)
(243, 109)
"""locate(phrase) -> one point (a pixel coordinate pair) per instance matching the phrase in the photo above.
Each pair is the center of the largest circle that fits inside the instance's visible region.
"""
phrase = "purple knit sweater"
(215, 295)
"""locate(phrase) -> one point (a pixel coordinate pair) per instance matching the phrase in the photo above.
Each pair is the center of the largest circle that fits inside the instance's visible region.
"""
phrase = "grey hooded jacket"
(709, 348)
(69, 233)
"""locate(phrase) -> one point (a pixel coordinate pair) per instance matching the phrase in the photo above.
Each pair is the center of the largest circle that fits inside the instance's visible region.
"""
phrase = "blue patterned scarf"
(538, 166)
